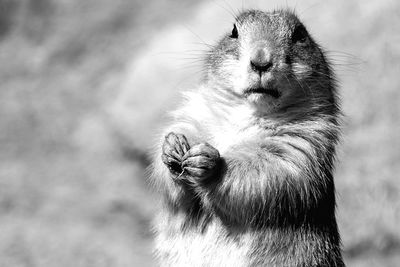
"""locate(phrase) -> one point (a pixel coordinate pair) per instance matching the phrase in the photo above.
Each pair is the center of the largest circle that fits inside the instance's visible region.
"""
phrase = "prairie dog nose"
(261, 61)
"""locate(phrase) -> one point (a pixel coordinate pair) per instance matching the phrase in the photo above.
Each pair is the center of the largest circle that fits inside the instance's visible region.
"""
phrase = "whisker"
(196, 35)
(205, 44)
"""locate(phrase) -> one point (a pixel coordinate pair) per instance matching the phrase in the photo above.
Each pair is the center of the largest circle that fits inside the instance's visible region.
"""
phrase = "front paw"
(174, 148)
(201, 161)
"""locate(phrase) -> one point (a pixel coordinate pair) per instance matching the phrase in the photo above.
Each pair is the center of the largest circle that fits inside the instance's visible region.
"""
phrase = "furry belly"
(212, 247)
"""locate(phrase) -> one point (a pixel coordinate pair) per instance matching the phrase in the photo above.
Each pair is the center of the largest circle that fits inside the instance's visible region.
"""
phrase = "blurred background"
(83, 89)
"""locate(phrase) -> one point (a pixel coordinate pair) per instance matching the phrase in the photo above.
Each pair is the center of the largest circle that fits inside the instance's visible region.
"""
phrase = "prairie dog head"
(270, 60)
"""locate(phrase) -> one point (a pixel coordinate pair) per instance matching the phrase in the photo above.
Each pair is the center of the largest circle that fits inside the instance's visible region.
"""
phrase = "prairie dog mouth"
(265, 91)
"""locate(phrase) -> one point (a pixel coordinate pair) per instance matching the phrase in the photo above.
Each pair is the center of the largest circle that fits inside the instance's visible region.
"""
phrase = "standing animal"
(245, 168)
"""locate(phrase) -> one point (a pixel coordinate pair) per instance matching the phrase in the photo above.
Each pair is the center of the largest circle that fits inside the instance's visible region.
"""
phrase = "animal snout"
(261, 61)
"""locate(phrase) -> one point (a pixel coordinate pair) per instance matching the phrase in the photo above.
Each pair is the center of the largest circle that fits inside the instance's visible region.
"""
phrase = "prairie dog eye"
(300, 35)
(234, 33)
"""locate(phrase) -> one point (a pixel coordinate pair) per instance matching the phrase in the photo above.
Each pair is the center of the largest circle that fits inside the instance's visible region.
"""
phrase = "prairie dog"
(245, 167)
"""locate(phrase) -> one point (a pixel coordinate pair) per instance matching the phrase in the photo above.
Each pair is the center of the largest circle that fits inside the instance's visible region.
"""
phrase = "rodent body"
(245, 168)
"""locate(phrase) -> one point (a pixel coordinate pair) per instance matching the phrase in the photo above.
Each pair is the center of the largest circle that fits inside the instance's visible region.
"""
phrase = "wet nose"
(261, 61)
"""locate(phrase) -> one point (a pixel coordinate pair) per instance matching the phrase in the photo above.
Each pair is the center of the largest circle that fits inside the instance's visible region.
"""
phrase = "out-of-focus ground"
(84, 86)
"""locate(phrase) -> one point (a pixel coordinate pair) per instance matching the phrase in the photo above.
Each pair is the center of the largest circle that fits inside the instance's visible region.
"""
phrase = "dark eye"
(300, 35)
(234, 32)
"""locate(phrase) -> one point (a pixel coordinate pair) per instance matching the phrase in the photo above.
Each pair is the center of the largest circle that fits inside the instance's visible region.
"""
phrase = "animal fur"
(246, 177)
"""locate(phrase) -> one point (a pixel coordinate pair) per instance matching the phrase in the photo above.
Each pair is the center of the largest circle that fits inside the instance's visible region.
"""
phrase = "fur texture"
(245, 168)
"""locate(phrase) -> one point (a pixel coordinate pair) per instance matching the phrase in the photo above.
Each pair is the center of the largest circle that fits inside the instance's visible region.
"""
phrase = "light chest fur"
(212, 247)
(223, 125)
